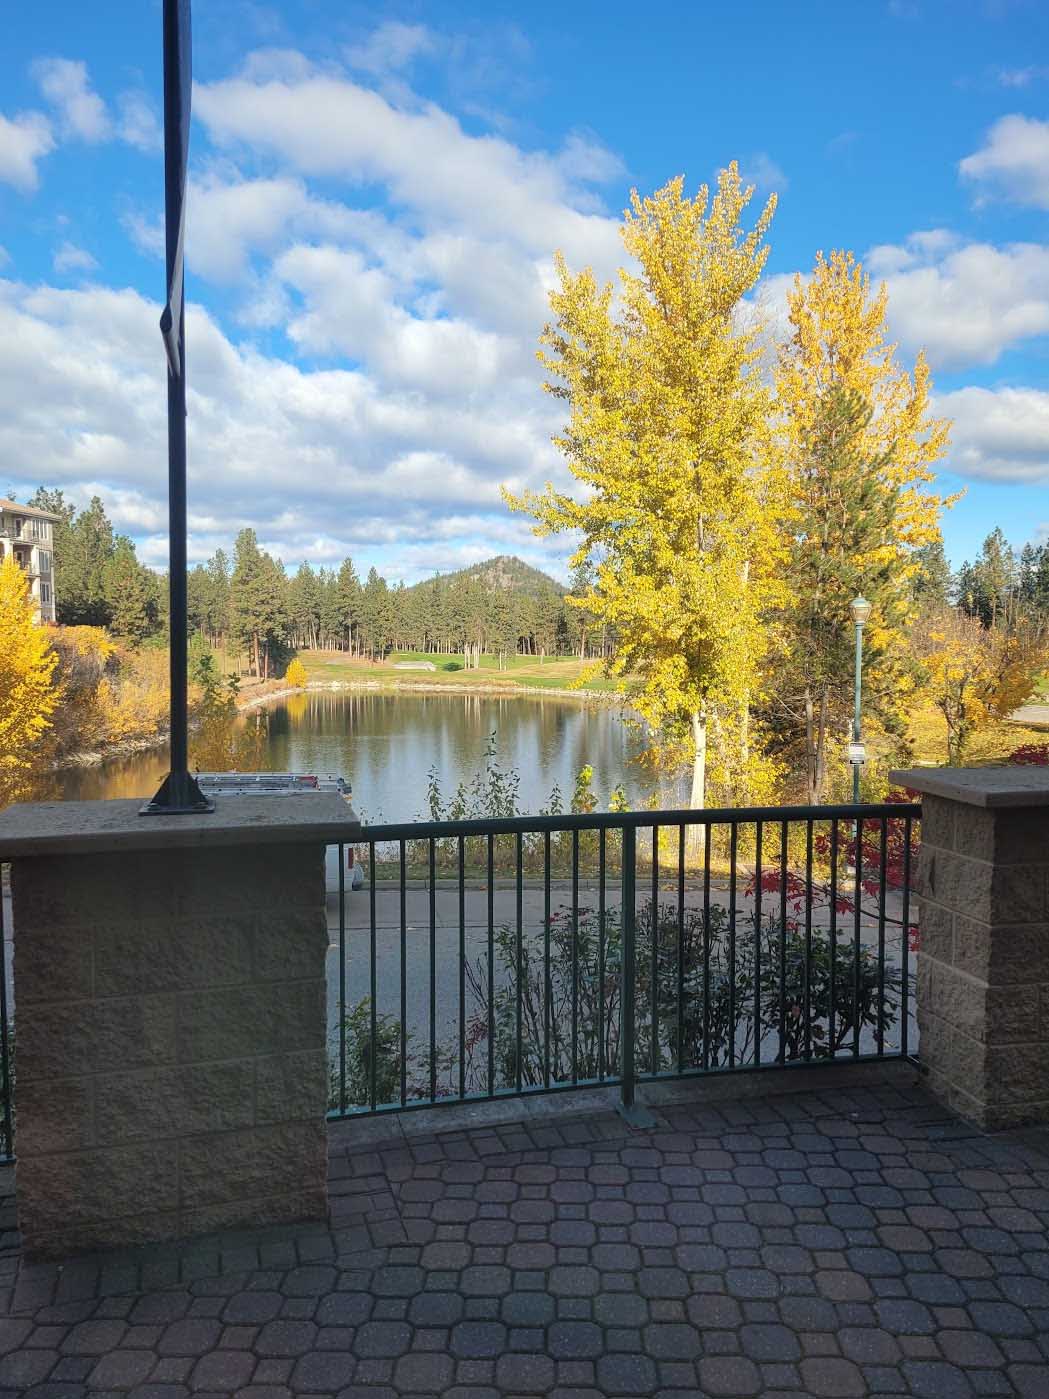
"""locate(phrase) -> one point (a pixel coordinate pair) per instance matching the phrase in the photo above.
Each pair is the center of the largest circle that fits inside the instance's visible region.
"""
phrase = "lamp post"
(861, 610)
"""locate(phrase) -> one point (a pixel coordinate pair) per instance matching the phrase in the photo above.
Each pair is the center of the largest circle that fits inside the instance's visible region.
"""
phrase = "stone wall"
(983, 969)
(171, 1073)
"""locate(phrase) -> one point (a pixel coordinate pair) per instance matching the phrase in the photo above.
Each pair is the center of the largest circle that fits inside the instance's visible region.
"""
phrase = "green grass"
(556, 673)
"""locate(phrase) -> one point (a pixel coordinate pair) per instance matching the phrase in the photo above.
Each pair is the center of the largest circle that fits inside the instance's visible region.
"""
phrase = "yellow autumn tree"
(27, 695)
(976, 675)
(296, 673)
(859, 444)
(667, 437)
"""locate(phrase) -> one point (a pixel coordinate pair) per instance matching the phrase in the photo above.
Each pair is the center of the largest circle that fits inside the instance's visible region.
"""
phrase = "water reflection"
(386, 743)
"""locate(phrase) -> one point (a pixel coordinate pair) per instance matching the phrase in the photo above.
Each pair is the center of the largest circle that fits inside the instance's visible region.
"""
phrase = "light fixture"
(861, 610)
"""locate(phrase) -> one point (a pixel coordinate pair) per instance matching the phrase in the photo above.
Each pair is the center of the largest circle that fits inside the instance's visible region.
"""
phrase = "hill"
(504, 571)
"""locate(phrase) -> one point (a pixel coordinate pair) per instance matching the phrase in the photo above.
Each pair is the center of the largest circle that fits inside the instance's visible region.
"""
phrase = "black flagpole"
(179, 792)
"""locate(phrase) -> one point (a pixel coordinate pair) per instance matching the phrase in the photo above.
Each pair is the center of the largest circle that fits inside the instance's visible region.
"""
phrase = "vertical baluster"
(575, 956)
(706, 945)
(491, 966)
(758, 837)
(5, 1034)
(832, 1028)
(372, 998)
(462, 968)
(905, 939)
(601, 953)
(403, 900)
(342, 979)
(654, 924)
(783, 942)
(857, 914)
(519, 970)
(433, 969)
(546, 959)
(681, 948)
(733, 851)
(627, 1008)
(808, 940)
(883, 854)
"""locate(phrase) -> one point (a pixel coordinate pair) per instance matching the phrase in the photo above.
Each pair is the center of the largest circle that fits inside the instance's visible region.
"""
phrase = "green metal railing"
(502, 957)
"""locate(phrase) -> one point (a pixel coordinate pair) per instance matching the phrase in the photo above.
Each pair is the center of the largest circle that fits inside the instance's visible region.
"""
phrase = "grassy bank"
(521, 672)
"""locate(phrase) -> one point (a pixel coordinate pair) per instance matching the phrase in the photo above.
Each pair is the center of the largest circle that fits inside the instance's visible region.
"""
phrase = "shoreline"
(128, 747)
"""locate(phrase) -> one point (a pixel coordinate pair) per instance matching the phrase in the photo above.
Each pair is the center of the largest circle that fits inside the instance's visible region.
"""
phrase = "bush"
(296, 674)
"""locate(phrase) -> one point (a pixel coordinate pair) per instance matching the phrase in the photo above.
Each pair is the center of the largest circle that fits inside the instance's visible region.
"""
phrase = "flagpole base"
(178, 795)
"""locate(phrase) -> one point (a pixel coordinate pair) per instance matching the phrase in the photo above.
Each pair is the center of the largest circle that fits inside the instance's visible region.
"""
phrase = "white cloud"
(999, 434)
(82, 113)
(320, 462)
(327, 126)
(138, 125)
(762, 171)
(70, 258)
(391, 47)
(1013, 163)
(964, 303)
(24, 140)
(1023, 77)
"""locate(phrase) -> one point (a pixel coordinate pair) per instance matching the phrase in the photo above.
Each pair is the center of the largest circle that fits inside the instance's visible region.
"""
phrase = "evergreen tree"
(127, 593)
(932, 580)
(845, 516)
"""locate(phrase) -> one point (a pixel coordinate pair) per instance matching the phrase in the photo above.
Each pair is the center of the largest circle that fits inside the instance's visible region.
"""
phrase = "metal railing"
(504, 957)
(495, 957)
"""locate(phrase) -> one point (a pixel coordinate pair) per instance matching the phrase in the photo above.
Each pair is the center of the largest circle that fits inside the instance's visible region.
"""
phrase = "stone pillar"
(983, 968)
(170, 1017)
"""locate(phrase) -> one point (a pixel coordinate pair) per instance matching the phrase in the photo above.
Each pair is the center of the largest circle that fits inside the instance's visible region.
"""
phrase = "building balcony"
(617, 1105)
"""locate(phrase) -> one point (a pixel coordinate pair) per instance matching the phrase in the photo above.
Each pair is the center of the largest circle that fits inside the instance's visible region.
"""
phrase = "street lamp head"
(861, 610)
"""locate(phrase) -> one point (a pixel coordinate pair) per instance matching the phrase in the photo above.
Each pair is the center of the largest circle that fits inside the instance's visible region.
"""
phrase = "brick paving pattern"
(847, 1242)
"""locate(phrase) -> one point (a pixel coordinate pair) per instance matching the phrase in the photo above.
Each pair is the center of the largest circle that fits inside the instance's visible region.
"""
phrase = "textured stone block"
(171, 1102)
(136, 958)
(55, 1114)
(250, 1020)
(273, 1160)
(82, 1037)
(58, 967)
(290, 945)
(74, 1188)
(1003, 837)
(288, 1085)
(937, 932)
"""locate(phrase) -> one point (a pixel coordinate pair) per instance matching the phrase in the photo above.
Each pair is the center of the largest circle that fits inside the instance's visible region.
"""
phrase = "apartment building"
(26, 534)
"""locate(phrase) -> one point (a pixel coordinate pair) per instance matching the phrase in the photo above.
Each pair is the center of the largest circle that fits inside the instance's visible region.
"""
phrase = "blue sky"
(376, 195)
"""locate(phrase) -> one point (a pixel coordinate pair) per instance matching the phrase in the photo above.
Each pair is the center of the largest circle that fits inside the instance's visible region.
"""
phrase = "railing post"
(636, 1116)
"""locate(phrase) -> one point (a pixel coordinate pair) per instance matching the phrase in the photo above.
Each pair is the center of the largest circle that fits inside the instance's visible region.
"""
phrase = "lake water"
(385, 743)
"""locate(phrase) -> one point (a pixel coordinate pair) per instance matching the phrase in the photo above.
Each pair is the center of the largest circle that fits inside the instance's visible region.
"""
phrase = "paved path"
(1035, 714)
(840, 1243)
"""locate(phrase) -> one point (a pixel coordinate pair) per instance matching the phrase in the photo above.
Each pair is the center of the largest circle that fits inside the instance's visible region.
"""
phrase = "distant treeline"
(250, 604)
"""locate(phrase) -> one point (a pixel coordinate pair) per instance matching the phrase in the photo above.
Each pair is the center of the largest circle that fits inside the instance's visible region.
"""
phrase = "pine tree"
(845, 520)
(932, 579)
(127, 593)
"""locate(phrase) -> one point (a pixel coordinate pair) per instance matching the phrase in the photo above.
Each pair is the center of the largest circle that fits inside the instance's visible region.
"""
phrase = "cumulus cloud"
(999, 434)
(320, 461)
(70, 258)
(327, 126)
(82, 113)
(24, 139)
(1013, 162)
(965, 303)
(139, 125)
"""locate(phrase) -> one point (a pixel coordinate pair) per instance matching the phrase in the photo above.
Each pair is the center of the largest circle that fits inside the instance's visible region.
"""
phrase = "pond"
(386, 742)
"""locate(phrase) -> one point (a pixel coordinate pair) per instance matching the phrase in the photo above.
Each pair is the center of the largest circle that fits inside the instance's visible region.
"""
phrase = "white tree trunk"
(695, 836)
